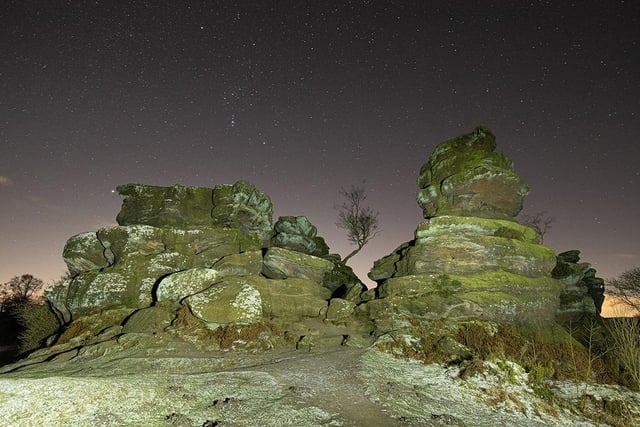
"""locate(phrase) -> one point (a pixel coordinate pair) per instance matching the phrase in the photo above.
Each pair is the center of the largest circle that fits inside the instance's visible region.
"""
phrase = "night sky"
(305, 97)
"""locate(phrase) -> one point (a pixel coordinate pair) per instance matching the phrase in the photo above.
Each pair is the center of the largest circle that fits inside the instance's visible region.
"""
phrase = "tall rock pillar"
(469, 258)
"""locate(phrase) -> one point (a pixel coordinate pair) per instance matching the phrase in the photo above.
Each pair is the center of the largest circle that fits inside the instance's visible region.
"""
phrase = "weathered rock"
(230, 301)
(239, 205)
(178, 286)
(340, 310)
(494, 268)
(465, 176)
(282, 263)
(467, 245)
(243, 264)
(296, 233)
(292, 298)
(392, 264)
(244, 207)
(150, 320)
(142, 255)
(248, 299)
(582, 293)
(165, 206)
(344, 283)
(84, 252)
(498, 295)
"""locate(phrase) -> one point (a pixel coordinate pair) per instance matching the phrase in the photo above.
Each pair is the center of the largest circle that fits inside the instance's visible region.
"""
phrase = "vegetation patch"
(509, 233)
(549, 352)
(38, 322)
(255, 336)
(232, 336)
(86, 327)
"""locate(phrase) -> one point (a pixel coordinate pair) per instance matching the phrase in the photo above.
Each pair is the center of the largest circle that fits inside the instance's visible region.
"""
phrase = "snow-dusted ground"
(344, 387)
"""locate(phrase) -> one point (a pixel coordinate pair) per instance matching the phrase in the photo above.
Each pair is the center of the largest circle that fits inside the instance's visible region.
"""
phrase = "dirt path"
(330, 381)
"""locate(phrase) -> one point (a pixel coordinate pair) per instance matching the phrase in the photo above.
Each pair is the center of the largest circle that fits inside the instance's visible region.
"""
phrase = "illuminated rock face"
(298, 234)
(469, 259)
(213, 251)
(466, 176)
(240, 206)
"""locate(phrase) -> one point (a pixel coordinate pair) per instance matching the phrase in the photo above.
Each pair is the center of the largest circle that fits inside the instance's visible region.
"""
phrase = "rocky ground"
(140, 380)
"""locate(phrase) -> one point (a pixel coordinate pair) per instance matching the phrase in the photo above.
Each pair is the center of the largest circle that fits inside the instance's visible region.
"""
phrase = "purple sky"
(305, 97)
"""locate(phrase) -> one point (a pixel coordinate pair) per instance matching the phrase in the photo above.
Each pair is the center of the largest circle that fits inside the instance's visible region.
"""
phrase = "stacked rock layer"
(469, 259)
(213, 251)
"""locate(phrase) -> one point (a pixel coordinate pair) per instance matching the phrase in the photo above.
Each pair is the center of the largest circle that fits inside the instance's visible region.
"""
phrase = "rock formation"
(466, 176)
(298, 234)
(469, 259)
(212, 251)
(582, 293)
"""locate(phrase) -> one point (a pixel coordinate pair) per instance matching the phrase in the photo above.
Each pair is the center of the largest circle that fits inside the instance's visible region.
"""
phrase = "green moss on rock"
(165, 206)
(464, 176)
(281, 263)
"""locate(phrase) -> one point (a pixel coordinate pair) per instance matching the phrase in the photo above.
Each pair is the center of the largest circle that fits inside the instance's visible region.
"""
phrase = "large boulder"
(492, 295)
(243, 264)
(296, 233)
(243, 206)
(200, 248)
(468, 245)
(251, 299)
(85, 252)
(182, 284)
(239, 205)
(230, 301)
(140, 256)
(465, 176)
(282, 263)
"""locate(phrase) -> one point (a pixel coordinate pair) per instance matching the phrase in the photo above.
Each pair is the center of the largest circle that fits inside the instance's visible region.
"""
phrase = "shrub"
(38, 323)
(548, 349)
(625, 336)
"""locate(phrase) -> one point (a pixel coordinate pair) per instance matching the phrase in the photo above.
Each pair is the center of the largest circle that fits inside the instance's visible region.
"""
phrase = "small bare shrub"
(625, 337)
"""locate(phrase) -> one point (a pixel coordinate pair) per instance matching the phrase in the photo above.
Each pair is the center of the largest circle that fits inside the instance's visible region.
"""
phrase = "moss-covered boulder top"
(466, 176)
(239, 205)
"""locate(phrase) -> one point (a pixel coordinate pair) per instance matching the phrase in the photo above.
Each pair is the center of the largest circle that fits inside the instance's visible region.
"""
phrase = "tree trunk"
(355, 251)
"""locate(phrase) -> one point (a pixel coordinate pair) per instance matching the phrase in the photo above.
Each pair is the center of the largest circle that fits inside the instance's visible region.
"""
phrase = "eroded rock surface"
(205, 258)
(298, 234)
(582, 292)
(469, 259)
(465, 176)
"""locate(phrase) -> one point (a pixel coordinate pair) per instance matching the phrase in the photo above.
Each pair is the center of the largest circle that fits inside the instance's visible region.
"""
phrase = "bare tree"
(627, 286)
(360, 222)
(539, 221)
(19, 290)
